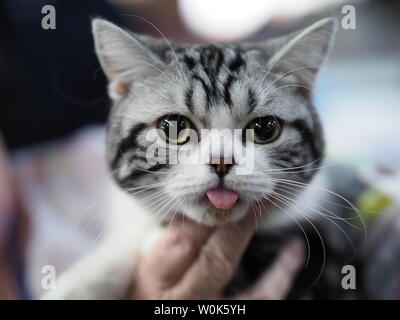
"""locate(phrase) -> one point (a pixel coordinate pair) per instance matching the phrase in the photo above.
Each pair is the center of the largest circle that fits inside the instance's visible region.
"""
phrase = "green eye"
(176, 128)
(266, 129)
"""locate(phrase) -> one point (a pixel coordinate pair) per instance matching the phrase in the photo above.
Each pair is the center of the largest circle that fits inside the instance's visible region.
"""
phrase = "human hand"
(197, 262)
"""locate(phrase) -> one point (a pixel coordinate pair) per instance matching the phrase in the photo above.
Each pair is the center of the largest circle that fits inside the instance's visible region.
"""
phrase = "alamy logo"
(349, 17)
(49, 20)
(49, 278)
(233, 146)
(349, 280)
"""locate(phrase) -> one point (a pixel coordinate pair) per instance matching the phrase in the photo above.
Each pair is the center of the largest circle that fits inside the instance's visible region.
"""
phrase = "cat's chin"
(207, 214)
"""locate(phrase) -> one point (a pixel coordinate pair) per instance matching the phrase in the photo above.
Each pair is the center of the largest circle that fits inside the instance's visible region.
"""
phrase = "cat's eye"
(177, 128)
(264, 129)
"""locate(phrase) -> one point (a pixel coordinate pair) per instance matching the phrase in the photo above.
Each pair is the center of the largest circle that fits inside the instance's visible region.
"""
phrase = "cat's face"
(177, 136)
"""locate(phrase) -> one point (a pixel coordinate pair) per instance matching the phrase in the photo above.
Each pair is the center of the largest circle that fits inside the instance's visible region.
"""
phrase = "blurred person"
(8, 289)
(14, 232)
(49, 90)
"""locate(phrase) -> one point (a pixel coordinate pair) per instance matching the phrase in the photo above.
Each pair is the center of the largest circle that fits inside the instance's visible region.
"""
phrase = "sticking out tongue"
(222, 198)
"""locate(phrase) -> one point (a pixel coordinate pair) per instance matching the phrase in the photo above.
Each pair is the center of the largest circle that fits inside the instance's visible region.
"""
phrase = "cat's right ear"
(122, 56)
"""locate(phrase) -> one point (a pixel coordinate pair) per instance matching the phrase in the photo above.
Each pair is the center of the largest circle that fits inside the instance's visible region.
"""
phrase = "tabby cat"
(221, 108)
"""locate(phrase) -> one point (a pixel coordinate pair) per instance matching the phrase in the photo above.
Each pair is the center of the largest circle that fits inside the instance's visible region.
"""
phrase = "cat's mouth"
(217, 205)
(222, 198)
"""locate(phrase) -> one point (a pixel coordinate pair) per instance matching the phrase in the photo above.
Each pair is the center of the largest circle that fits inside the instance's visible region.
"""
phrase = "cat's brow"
(252, 100)
(216, 69)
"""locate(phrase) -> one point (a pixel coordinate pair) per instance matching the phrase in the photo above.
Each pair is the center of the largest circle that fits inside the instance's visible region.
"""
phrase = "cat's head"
(171, 138)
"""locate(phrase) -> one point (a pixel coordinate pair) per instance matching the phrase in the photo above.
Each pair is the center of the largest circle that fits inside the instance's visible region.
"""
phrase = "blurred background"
(54, 107)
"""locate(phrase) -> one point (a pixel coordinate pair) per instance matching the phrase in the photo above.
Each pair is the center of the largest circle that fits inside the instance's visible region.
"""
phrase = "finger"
(218, 259)
(174, 253)
(275, 283)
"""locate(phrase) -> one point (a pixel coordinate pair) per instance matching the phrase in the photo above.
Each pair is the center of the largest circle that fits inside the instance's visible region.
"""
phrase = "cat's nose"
(221, 166)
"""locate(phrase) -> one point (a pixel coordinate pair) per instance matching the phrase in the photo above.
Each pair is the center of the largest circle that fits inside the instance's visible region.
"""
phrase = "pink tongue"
(222, 198)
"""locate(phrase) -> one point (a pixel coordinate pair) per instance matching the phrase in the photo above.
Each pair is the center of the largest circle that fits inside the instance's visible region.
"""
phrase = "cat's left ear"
(302, 53)
(124, 57)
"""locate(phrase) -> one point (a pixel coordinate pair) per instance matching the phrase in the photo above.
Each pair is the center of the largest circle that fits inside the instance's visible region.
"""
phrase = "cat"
(156, 86)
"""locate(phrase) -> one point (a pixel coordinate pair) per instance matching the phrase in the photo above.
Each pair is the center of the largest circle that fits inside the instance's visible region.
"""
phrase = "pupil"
(264, 127)
(173, 125)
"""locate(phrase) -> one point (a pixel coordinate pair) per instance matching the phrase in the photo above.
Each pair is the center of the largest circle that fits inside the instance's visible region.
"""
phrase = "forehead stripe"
(205, 88)
(227, 87)
(189, 99)
(252, 101)
(236, 63)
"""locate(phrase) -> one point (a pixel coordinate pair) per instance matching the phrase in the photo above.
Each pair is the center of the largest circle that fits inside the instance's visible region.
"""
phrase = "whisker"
(290, 170)
(95, 216)
(168, 201)
(305, 185)
(178, 208)
(298, 223)
(162, 35)
(153, 66)
(319, 236)
(254, 210)
(275, 63)
(297, 167)
(324, 216)
(99, 179)
(290, 86)
(151, 185)
(148, 171)
(289, 72)
(285, 188)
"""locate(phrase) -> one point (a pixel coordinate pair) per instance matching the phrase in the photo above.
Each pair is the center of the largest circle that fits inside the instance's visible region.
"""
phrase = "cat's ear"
(302, 53)
(124, 57)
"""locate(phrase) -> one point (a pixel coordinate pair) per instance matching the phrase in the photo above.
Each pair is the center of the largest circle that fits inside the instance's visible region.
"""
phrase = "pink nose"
(221, 166)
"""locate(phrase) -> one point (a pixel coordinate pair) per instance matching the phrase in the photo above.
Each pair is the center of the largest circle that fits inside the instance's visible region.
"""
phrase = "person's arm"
(8, 288)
